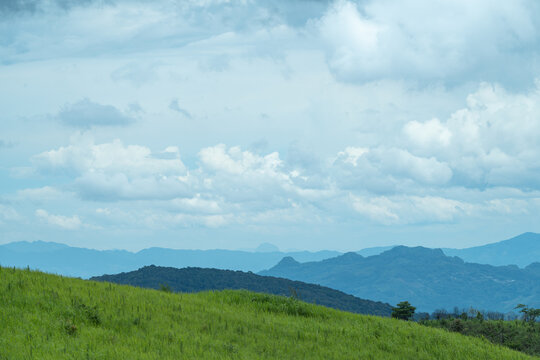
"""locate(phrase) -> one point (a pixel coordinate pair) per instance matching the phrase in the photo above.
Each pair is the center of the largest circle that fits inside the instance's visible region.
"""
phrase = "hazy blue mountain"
(534, 268)
(425, 277)
(198, 279)
(521, 250)
(375, 250)
(34, 247)
(267, 247)
(65, 260)
(80, 262)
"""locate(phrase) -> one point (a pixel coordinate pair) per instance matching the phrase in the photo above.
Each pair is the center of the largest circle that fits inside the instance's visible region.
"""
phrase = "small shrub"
(90, 313)
(70, 328)
(165, 288)
(456, 325)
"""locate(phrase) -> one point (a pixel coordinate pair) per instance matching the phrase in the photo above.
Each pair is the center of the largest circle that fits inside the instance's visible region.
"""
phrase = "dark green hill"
(425, 277)
(199, 279)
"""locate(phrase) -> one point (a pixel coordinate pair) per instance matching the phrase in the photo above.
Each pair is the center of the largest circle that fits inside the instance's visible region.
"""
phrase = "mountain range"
(199, 279)
(427, 278)
(521, 250)
(62, 259)
(79, 262)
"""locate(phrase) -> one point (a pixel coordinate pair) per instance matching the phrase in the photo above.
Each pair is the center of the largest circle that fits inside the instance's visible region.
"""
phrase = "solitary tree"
(403, 311)
(529, 314)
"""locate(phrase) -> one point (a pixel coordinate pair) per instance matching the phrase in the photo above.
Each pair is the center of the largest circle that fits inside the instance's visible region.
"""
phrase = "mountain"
(374, 250)
(427, 278)
(72, 261)
(534, 268)
(520, 250)
(267, 247)
(198, 279)
(51, 317)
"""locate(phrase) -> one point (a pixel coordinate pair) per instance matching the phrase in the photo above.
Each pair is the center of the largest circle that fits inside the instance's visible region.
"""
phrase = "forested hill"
(199, 279)
(427, 278)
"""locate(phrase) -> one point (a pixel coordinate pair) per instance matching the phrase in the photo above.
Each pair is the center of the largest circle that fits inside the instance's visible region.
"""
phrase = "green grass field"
(46, 316)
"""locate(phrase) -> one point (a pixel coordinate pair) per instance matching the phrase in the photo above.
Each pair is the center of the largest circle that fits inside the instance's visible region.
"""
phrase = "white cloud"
(414, 40)
(351, 154)
(491, 142)
(64, 222)
(409, 209)
(83, 156)
(236, 161)
(112, 171)
(195, 205)
(387, 169)
(430, 134)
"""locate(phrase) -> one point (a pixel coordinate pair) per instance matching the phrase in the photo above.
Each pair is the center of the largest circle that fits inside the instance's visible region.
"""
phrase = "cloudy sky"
(310, 124)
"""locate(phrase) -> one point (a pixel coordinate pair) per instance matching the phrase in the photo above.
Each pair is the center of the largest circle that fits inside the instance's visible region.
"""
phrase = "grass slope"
(51, 317)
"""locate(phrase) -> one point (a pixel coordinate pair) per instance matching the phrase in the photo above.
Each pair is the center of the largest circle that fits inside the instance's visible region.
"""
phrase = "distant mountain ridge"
(199, 279)
(425, 277)
(80, 262)
(71, 261)
(521, 250)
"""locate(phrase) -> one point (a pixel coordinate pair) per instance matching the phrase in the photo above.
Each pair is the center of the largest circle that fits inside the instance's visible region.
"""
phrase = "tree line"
(520, 333)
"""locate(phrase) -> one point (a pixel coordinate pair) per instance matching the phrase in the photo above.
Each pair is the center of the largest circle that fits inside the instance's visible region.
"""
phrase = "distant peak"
(413, 251)
(347, 258)
(267, 247)
(351, 255)
(288, 261)
(527, 235)
(35, 246)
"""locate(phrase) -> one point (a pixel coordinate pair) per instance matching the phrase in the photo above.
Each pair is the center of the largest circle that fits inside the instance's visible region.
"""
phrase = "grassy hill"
(198, 279)
(51, 317)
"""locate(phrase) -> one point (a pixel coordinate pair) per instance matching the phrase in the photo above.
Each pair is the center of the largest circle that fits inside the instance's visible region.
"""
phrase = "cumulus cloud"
(236, 161)
(242, 177)
(430, 134)
(419, 175)
(409, 209)
(491, 142)
(411, 39)
(381, 170)
(112, 171)
(86, 156)
(86, 114)
(448, 41)
(64, 222)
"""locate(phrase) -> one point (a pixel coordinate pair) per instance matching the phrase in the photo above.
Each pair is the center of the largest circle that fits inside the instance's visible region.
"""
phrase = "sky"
(309, 124)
